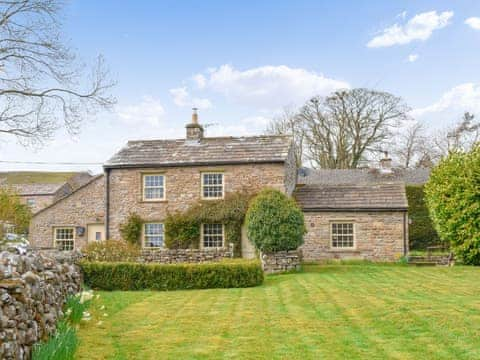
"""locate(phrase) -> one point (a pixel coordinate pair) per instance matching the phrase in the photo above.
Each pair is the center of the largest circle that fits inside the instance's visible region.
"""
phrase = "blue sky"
(241, 62)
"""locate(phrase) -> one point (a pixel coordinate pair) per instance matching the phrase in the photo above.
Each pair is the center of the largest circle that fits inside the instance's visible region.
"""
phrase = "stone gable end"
(83, 207)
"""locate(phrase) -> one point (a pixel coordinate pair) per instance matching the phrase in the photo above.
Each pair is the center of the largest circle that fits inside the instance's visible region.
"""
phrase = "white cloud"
(200, 80)
(182, 98)
(420, 27)
(149, 110)
(412, 58)
(451, 105)
(473, 22)
(267, 87)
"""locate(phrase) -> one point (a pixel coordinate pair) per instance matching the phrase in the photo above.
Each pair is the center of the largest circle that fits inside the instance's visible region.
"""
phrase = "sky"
(241, 62)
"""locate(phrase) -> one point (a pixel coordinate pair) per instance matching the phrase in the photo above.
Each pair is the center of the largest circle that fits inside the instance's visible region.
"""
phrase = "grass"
(34, 177)
(330, 311)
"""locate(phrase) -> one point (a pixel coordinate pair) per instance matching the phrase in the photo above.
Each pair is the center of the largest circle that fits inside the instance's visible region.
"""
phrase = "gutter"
(323, 209)
(189, 164)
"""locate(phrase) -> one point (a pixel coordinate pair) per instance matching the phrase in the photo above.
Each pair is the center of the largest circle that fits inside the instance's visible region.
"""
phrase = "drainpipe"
(107, 204)
(405, 249)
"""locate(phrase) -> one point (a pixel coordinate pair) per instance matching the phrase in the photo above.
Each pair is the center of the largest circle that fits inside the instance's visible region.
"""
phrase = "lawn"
(331, 311)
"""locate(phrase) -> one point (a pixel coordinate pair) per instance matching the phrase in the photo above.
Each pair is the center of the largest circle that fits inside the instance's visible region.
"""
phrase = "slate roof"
(386, 196)
(36, 189)
(362, 176)
(207, 151)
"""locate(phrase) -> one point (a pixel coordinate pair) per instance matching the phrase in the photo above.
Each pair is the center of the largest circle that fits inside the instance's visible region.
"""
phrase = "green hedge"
(421, 231)
(138, 276)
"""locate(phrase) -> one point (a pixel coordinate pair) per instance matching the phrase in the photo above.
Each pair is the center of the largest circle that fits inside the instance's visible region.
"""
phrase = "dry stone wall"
(166, 256)
(33, 289)
(281, 261)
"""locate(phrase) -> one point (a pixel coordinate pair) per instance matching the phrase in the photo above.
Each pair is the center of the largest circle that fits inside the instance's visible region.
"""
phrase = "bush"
(138, 276)
(421, 233)
(182, 231)
(453, 198)
(111, 250)
(275, 222)
(131, 231)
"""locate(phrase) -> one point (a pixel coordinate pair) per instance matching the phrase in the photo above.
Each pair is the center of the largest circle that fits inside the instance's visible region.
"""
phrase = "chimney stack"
(386, 164)
(194, 129)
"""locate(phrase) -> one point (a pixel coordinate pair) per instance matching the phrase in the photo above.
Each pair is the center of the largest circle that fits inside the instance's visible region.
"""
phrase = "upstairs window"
(31, 202)
(212, 185)
(153, 235)
(343, 235)
(64, 238)
(212, 235)
(153, 187)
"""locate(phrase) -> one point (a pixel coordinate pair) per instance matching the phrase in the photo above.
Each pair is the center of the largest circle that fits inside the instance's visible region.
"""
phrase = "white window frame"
(145, 236)
(202, 187)
(144, 187)
(56, 240)
(203, 237)
(354, 237)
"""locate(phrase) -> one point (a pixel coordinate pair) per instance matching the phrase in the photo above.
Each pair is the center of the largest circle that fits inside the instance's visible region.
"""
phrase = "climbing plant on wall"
(182, 229)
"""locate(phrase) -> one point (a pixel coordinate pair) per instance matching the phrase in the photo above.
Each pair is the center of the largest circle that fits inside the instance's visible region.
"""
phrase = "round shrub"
(453, 198)
(274, 222)
(111, 250)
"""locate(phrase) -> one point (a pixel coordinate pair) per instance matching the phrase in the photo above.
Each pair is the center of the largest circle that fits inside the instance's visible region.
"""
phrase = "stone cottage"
(38, 195)
(155, 177)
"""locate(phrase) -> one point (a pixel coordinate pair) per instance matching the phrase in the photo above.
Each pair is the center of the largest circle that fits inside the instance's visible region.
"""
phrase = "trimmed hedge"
(421, 233)
(138, 276)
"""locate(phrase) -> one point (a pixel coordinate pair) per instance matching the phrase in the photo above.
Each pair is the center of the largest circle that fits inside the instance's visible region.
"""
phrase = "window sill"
(153, 201)
(352, 250)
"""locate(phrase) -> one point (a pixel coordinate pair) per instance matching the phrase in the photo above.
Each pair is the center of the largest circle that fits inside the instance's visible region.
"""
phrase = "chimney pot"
(194, 116)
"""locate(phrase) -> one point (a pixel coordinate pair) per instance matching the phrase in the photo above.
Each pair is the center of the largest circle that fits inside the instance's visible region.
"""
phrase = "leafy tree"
(43, 86)
(275, 222)
(453, 198)
(13, 213)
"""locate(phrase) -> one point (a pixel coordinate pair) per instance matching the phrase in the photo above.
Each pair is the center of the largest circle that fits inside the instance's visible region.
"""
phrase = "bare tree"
(344, 128)
(461, 137)
(409, 145)
(289, 123)
(42, 84)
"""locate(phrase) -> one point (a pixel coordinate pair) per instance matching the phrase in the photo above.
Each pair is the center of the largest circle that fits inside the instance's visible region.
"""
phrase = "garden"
(337, 311)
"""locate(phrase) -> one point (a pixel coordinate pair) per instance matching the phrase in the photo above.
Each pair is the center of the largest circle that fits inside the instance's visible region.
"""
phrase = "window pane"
(342, 235)
(153, 235)
(153, 187)
(212, 185)
(212, 235)
(64, 239)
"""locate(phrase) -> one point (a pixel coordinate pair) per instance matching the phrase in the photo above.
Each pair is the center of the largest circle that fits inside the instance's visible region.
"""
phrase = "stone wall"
(183, 186)
(33, 289)
(281, 261)
(379, 236)
(41, 201)
(166, 256)
(83, 207)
